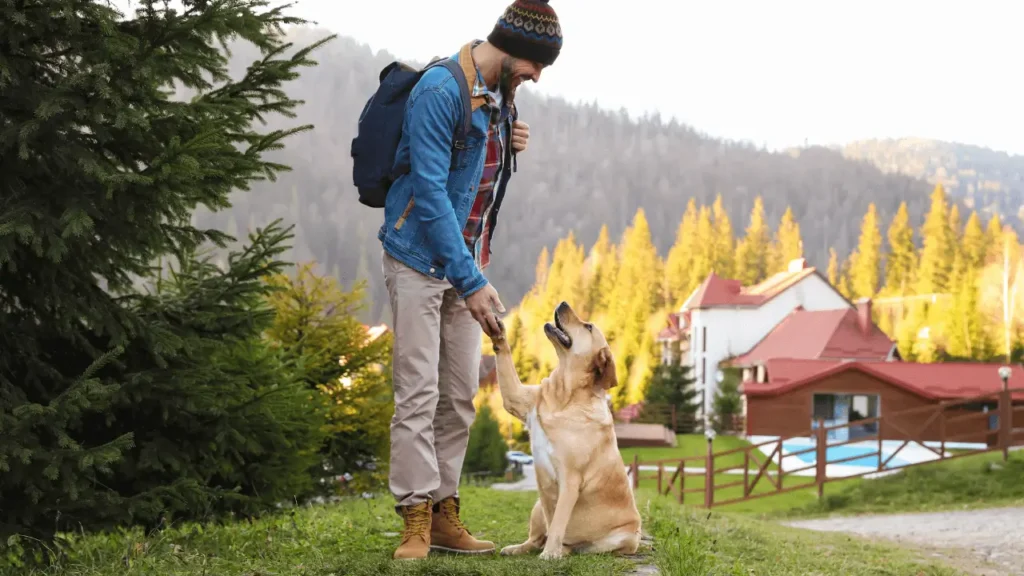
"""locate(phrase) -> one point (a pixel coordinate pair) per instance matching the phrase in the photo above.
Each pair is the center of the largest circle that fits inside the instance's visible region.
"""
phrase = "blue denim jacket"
(427, 208)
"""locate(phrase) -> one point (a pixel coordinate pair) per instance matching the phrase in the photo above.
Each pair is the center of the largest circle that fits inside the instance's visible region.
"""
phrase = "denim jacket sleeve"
(431, 123)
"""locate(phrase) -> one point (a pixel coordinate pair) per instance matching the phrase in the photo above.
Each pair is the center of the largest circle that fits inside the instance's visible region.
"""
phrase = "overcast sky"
(776, 72)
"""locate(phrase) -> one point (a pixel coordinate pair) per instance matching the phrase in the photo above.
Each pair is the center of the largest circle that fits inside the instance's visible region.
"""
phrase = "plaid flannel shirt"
(476, 232)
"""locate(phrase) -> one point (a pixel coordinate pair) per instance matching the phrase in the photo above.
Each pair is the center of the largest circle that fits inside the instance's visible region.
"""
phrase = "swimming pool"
(833, 453)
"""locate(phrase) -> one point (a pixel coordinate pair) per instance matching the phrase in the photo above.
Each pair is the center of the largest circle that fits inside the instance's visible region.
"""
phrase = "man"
(438, 223)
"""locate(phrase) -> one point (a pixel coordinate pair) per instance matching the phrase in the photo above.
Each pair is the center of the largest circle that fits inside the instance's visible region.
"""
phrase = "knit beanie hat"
(528, 30)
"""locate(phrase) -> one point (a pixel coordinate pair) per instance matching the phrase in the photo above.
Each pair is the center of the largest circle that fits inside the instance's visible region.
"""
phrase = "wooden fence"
(761, 465)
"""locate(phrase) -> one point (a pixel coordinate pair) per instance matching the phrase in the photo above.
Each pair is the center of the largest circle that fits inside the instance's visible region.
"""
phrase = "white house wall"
(735, 331)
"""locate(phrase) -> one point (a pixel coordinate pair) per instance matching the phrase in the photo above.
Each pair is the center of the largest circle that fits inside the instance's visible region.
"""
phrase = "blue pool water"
(834, 453)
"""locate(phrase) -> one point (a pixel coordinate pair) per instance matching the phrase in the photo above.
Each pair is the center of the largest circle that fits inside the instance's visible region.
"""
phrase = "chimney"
(864, 315)
(797, 264)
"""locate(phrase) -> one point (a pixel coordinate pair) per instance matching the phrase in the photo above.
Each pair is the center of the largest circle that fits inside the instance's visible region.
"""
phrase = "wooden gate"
(767, 469)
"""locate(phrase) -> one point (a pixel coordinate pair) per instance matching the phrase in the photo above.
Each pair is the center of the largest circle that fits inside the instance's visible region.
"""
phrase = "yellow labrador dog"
(586, 502)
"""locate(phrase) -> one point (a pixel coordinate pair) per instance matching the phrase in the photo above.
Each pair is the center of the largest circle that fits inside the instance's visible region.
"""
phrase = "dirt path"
(983, 542)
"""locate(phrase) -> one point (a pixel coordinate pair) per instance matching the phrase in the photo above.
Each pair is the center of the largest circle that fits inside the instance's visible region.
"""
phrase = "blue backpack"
(380, 129)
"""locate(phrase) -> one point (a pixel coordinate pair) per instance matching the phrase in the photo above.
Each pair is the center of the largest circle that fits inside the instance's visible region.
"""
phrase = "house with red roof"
(722, 319)
(843, 334)
(789, 395)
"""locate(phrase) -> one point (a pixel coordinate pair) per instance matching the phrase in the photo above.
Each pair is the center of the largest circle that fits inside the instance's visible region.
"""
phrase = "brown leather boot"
(416, 536)
(449, 534)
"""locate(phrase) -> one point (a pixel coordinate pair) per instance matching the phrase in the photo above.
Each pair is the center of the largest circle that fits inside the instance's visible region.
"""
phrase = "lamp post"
(1005, 412)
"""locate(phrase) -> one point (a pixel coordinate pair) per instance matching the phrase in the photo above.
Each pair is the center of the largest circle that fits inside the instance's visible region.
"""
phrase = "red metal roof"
(674, 329)
(718, 291)
(938, 381)
(824, 334)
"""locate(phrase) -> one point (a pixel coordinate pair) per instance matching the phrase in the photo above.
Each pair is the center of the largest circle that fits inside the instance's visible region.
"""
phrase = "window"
(824, 406)
(704, 339)
(703, 369)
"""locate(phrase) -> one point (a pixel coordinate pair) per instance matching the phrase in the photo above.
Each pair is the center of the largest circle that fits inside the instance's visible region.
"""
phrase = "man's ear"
(604, 369)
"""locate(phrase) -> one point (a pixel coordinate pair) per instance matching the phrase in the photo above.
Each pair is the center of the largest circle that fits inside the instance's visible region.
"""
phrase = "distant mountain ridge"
(983, 179)
(586, 167)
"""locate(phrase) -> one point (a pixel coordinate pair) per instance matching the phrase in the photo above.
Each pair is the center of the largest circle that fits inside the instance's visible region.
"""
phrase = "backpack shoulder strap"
(467, 106)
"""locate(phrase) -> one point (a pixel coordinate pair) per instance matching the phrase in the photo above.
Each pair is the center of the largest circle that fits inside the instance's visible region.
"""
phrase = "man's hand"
(520, 136)
(482, 305)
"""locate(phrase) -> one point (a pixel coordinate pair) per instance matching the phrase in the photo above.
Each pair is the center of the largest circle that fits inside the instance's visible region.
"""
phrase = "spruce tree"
(974, 244)
(727, 403)
(542, 270)
(634, 294)
(901, 258)
(833, 267)
(966, 334)
(704, 249)
(485, 453)
(994, 240)
(937, 247)
(864, 263)
(610, 262)
(223, 421)
(752, 253)
(681, 256)
(316, 327)
(118, 404)
(788, 244)
(600, 269)
(673, 386)
(526, 366)
(723, 241)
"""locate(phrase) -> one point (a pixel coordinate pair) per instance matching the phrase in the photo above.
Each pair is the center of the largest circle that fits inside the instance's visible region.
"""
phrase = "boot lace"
(417, 523)
(450, 509)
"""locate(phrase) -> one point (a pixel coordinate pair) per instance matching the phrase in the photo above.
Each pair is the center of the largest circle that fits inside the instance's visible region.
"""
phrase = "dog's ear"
(604, 369)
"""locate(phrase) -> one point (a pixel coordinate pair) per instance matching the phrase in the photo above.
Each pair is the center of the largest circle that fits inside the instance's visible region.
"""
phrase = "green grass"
(980, 481)
(977, 481)
(690, 446)
(356, 538)
(352, 538)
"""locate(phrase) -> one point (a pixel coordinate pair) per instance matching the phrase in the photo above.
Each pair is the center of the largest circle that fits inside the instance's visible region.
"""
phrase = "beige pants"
(436, 373)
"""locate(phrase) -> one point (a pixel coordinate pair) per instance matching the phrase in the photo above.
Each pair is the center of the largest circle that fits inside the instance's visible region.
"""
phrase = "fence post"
(820, 457)
(682, 480)
(779, 487)
(746, 472)
(636, 471)
(942, 429)
(661, 471)
(1005, 422)
(881, 420)
(709, 474)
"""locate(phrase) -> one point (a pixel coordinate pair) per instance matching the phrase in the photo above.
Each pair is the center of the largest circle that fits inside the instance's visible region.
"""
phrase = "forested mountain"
(982, 178)
(586, 167)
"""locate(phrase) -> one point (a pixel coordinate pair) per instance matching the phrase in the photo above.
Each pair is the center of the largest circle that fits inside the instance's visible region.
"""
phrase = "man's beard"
(506, 78)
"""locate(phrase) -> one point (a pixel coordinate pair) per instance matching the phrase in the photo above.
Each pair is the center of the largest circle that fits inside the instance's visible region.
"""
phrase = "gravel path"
(984, 542)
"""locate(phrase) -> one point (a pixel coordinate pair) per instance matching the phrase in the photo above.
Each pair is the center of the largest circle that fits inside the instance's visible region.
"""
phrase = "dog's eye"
(589, 327)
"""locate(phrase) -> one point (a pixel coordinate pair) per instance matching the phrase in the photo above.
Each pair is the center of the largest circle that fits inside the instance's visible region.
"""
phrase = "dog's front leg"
(516, 398)
(568, 493)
